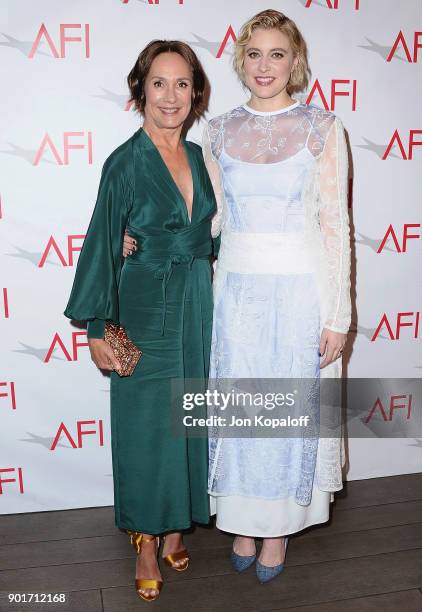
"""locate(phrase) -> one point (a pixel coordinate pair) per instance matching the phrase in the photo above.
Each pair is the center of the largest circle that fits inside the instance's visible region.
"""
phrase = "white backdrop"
(64, 109)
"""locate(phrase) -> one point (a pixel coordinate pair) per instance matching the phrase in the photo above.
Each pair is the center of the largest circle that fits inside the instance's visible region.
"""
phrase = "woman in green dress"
(157, 186)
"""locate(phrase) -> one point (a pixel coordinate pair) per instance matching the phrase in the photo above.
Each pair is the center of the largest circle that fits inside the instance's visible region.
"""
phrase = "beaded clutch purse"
(124, 349)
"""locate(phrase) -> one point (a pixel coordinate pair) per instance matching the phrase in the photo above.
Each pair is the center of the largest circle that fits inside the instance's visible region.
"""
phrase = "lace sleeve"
(334, 223)
(215, 176)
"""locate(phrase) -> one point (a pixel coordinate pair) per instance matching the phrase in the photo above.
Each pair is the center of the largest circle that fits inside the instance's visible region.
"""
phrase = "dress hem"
(166, 529)
(275, 535)
(237, 494)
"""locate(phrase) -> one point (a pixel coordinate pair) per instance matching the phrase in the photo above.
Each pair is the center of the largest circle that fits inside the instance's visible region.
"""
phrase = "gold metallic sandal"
(137, 540)
(172, 558)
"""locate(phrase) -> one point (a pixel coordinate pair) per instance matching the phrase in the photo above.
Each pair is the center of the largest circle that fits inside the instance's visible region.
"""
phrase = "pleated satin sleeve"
(94, 295)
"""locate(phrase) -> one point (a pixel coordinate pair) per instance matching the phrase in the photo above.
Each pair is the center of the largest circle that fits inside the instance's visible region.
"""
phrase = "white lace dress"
(282, 275)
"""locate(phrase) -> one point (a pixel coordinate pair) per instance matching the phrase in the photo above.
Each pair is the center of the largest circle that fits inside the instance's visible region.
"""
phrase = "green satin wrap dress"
(162, 295)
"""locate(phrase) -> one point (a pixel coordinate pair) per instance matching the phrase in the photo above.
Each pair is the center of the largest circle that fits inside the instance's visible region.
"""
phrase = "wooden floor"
(368, 557)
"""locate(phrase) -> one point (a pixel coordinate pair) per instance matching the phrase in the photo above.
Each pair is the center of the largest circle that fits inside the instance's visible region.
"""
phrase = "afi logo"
(9, 393)
(404, 235)
(405, 403)
(64, 38)
(396, 139)
(71, 248)
(329, 98)
(229, 34)
(19, 478)
(335, 4)
(58, 343)
(401, 41)
(399, 323)
(67, 145)
(80, 432)
(4, 304)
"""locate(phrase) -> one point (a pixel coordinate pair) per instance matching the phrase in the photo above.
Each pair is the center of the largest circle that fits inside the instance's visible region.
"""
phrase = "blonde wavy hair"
(267, 20)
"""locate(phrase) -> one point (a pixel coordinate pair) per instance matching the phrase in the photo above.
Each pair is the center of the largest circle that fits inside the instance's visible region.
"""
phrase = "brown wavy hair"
(138, 74)
(271, 19)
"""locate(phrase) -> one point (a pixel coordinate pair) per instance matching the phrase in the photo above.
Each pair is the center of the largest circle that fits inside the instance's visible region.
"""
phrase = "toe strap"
(177, 556)
(146, 583)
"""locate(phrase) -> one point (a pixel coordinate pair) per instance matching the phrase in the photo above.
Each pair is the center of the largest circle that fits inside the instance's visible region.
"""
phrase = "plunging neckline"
(190, 164)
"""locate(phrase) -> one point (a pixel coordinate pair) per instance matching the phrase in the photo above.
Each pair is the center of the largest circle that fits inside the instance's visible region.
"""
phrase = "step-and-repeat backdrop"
(64, 109)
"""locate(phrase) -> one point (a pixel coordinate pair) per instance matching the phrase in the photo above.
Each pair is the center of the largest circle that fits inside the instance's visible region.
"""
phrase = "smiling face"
(168, 91)
(269, 60)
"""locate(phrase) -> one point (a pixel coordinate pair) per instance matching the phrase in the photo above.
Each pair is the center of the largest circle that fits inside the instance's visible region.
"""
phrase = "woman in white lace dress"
(281, 288)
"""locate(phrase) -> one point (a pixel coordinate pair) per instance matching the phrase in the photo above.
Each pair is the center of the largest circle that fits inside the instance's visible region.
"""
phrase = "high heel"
(265, 573)
(137, 540)
(172, 558)
(240, 563)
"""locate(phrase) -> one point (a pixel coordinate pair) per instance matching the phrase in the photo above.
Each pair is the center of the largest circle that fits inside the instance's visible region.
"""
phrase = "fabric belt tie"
(170, 249)
(165, 273)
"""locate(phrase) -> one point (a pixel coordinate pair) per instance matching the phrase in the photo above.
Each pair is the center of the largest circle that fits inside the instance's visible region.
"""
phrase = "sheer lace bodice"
(260, 137)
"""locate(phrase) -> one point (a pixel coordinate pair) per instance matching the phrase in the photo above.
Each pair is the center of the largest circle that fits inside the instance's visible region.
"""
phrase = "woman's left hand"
(129, 245)
(331, 346)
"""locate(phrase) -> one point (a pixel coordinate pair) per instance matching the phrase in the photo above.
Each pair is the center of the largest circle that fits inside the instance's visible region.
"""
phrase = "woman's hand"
(102, 355)
(331, 346)
(129, 245)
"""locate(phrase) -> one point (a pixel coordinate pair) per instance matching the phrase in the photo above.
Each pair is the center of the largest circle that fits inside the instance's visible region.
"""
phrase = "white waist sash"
(261, 253)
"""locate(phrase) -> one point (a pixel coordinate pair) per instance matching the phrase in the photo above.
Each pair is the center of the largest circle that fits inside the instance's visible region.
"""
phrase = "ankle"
(244, 545)
(173, 539)
(273, 542)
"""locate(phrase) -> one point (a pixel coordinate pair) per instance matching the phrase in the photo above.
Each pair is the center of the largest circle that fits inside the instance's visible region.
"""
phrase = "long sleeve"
(334, 224)
(94, 295)
(214, 172)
